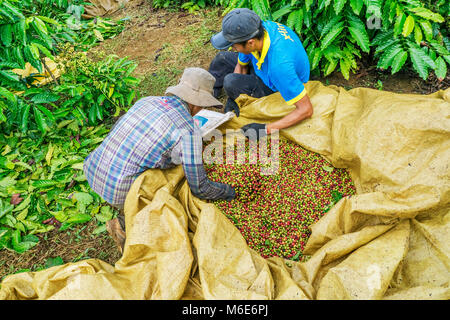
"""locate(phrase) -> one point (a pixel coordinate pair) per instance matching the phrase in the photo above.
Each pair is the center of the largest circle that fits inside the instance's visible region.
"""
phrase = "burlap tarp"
(389, 241)
(103, 7)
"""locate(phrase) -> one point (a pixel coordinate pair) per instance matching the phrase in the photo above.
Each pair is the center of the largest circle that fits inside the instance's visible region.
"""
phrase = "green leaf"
(338, 5)
(374, 7)
(106, 214)
(5, 208)
(399, 22)
(83, 200)
(356, 6)
(295, 20)
(427, 14)
(425, 57)
(418, 36)
(7, 94)
(38, 184)
(427, 29)
(327, 168)
(20, 32)
(297, 256)
(329, 38)
(281, 12)
(44, 50)
(398, 61)
(45, 97)
(46, 112)
(408, 27)
(344, 64)
(308, 4)
(79, 218)
(21, 245)
(24, 119)
(441, 69)
(316, 58)
(130, 98)
(388, 56)
(34, 51)
(440, 49)
(18, 56)
(51, 262)
(98, 35)
(329, 25)
(39, 25)
(49, 20)
(418, 63)
(262, 9)
(336, 195)
(40, 120)
(9, 76)
(361, 37)
(13, 9)
(330, 67)
(6, 34)
(7, 164)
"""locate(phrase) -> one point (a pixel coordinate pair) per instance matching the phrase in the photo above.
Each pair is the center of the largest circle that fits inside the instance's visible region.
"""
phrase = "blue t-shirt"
(283, 65)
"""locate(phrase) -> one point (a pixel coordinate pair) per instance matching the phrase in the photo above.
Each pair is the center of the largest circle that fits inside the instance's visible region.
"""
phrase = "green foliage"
(95, 89)
(46, 173)
(339, 33)
(88, 91)
(44, 135)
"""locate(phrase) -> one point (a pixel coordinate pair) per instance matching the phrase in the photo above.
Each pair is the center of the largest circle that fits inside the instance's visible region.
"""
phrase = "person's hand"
(230, 194)
(232, 106)
(254, 131)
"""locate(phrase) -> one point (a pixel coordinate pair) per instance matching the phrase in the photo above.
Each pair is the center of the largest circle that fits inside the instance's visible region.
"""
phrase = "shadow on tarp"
(389, 241)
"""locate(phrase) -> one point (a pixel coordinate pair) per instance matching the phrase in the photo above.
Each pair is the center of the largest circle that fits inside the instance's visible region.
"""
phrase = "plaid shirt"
(157, 132)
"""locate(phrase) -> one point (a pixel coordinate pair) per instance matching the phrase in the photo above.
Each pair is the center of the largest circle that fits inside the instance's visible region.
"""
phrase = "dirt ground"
(164, 42)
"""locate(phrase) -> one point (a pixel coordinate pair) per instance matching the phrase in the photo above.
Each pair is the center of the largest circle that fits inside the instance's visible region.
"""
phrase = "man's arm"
(201, 186)
(241, 69)
(303, 110)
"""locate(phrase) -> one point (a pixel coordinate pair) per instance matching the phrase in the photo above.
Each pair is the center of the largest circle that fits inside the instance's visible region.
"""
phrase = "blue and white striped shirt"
(157, 132)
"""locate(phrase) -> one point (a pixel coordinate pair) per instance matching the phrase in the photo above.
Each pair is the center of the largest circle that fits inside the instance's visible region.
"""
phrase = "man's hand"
(254, 131)
(230, 194)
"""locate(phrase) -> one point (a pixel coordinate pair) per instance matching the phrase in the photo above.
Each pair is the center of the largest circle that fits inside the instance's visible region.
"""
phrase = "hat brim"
(219, 42)
(199, 98)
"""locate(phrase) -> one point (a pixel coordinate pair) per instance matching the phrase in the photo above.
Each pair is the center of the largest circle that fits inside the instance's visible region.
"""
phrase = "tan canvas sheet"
(390, 241)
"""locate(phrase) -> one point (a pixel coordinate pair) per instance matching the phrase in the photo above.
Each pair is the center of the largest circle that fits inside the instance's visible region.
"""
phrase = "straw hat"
(196, 87)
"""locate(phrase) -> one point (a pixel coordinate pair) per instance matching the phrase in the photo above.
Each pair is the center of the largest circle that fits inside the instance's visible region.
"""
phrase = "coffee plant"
(392, 34)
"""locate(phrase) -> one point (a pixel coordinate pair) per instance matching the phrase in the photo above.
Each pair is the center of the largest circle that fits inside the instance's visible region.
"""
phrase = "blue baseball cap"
(238, 25)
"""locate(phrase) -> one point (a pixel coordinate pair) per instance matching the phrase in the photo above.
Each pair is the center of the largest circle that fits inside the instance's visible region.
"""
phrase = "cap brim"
(218, 41)
(198, 98)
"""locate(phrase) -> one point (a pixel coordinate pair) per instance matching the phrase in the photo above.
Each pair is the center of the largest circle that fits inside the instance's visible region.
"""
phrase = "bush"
(395, 34)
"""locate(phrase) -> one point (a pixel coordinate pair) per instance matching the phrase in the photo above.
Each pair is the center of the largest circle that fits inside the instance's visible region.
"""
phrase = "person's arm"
(242, 64)
(242, 69)
(303, 110)
(201, 186)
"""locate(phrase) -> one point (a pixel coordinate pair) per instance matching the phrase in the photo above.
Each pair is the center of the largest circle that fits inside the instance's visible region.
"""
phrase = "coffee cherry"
(274, 212)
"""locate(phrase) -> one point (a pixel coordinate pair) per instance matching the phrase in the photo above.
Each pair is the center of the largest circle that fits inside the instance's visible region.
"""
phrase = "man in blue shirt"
(270, 58)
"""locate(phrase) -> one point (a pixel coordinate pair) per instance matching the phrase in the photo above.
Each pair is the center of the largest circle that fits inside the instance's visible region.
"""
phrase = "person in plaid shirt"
(157, 132)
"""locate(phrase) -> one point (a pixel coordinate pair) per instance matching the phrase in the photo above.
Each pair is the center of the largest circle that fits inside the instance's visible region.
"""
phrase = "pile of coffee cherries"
(276, 203)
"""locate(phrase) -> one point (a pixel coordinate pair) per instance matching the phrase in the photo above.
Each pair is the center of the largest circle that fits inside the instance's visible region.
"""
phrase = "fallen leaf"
(16, 199)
